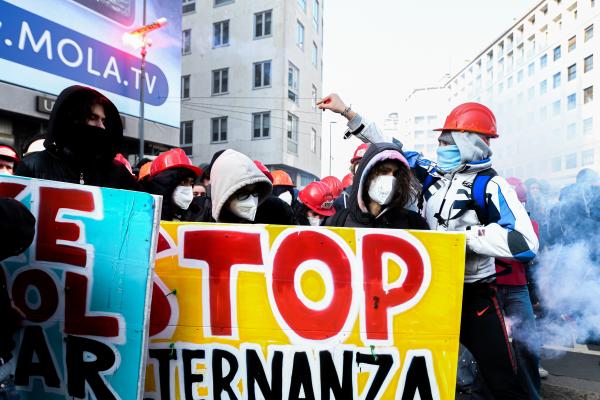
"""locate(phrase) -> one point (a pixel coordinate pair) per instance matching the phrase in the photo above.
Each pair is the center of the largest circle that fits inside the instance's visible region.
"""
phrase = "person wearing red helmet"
(84, 134)
(461, 192)
(172, 175)
(334, 184)
(316, 204)
(358, 155)
(284, 187)
(8, 159)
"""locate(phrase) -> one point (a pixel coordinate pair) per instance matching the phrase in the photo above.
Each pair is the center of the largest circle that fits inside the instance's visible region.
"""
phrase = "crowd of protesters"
(505, 221)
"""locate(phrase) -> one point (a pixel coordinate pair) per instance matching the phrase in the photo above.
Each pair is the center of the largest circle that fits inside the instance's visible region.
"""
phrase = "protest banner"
(84, 289)
(275, 312)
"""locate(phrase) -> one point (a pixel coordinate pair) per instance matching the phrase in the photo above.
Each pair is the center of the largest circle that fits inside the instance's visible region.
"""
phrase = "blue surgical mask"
(448, 158)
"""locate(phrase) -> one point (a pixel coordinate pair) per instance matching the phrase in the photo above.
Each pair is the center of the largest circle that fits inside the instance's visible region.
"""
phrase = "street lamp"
(138, 40)
(330, 158)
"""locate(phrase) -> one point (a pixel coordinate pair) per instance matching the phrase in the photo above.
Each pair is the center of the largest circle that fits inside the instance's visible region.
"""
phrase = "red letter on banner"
(305, 321)
(76, 307)
(50, 230)
(10, 189)
(221, 250)
(378, 300)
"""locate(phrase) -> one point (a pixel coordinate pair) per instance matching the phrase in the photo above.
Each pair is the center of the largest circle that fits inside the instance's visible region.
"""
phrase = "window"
(221, 33)
(557, 53)
(572, 72)
(571, 130)
(588, 94)
(556, 164)
(587, 158)
(571, 101)
(556, 107)
(302, 4)
(186, 136)
(316, 15)
(315, 54)
(313, 140)
(300, 35)
(500, 88)
(531, 93)
(189, 6)
(186, 41)
(520, 76)
(509, 82)
(572, 43)
(419, 120)
(185, 87)
(531, 69)
(262, 24)
(292, 133)
(571, 161)
(262, 74)
(293, 82)
(556, 80)
(588, 126)
(218, 130)
(220, 81)
(314, 97)
(543, 61)
(261, 125)
(588, 63)
(543, 87)
(222, 2)
(589, 33)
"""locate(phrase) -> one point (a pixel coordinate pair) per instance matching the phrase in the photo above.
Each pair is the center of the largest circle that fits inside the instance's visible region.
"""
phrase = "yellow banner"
(274, 312)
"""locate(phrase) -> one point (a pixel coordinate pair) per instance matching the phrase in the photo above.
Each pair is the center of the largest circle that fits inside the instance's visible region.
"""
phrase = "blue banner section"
(84, 289)
(33, 41)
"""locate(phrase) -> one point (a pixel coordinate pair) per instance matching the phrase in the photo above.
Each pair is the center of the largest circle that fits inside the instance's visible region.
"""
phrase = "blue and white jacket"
(508, 232)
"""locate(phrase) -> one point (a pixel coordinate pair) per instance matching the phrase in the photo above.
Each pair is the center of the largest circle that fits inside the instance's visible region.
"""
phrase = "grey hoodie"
(230, 172)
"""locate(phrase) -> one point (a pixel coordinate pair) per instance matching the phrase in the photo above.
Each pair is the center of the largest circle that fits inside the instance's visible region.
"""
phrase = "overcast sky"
(376, 52)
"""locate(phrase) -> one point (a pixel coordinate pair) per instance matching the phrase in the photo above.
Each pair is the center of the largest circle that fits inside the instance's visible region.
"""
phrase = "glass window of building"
(262, 24)
(556, 80)
(186, 136)
(572, 72)
(292, 133)
(543, 87)
(186, 41)
(571, 161)
(221, 33)
(572, 43)
(571, 101)
(220, 81)
(185, 87)
(262, 74)
(261, 125)
(556, 53)
(589, 33)
(588, 95)
(218, 130)
(543, 61)
(587, 158)
(300, 34)
(588, 63)
(293, 82)
(588, 126)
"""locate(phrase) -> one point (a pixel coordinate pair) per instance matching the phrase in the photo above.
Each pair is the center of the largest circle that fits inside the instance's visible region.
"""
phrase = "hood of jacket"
(471, 147)
(68, 111)
(230, 172)
(377, 152)
(164, 185)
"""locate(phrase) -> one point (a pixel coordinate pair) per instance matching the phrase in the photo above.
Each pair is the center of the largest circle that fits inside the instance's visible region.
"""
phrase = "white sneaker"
(543, 373)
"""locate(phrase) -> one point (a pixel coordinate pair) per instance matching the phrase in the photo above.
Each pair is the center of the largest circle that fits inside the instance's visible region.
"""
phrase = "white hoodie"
(230, 172)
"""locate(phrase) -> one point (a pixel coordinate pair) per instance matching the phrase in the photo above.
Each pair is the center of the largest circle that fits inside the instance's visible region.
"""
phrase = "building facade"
(539, 79)
(425, 109)
(251, 75)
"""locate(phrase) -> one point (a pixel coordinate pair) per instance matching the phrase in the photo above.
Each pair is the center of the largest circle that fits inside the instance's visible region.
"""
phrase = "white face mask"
(246, 208)
(287, 197)
(382, 188)
(314, 221)
(183, 196)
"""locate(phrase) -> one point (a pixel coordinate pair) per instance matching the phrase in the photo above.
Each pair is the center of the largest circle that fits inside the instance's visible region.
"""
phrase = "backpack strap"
(479, 194)
(427, 183)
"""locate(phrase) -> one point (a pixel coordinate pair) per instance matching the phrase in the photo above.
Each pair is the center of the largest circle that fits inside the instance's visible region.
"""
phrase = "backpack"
(479, 196)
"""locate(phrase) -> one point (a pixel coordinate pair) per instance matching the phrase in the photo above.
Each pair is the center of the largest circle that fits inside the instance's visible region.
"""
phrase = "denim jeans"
(516, 303)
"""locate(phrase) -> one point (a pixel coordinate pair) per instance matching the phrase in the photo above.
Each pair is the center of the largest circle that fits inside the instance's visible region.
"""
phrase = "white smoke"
(568, 281)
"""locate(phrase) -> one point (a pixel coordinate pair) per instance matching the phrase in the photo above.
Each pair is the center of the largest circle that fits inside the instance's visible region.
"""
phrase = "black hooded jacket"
(393, 217)
(164, 184)
(17, 229)
(91, 164)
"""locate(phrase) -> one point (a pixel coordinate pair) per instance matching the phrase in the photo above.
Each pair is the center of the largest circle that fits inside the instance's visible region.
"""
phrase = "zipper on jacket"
(81, 181)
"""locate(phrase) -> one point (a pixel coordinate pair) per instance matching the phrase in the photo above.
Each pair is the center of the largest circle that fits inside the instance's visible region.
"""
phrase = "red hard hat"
(347, 180)
(359, 153)
(334, 184)
(8, 152)
(119, 157)
(519, 187)
(145, 171)
(264, 170)
(471, 117)
(317, 196)
(281, 178)
(174, 158)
